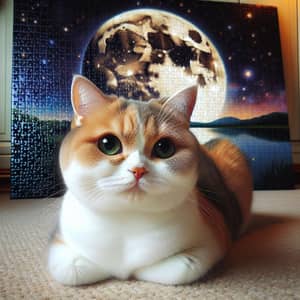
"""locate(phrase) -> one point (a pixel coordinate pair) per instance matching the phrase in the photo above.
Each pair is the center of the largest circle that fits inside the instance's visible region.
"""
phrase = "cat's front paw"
(69, 268)
(179, 269)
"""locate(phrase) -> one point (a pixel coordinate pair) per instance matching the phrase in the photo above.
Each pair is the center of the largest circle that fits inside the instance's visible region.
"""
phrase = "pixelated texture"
(55, 39)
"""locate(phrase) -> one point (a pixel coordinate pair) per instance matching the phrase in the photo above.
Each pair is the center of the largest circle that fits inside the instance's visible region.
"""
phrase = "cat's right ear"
(86, 97)
(183, 101)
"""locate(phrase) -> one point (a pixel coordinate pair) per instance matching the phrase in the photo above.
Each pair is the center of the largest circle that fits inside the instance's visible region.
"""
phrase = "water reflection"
(268, 150)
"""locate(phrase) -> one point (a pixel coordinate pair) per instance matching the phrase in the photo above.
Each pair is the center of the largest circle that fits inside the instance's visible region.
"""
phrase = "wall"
(6, 25)
(289, 20)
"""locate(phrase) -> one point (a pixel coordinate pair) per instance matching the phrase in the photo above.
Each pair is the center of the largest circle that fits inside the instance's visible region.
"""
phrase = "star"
(51, 42)
(248, 73)
(249, 15)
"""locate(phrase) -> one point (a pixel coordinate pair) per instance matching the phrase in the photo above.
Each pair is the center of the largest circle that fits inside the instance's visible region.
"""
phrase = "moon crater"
(146, 53)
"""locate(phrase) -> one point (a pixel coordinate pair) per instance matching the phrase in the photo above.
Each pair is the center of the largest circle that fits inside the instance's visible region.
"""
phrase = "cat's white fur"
(145, 245)
(118, 235)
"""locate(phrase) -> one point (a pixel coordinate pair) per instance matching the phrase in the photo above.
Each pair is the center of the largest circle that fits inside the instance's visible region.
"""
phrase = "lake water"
(268, 150)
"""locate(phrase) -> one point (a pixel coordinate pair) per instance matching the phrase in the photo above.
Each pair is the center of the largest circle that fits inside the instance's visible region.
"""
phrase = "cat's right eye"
(164, 148)
(110, 145)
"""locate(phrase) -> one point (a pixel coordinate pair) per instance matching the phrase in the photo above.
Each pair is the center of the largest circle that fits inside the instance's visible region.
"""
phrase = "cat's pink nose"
(139, 172)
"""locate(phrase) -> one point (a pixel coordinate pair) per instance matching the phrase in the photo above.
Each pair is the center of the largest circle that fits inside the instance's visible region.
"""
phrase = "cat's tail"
(235, 169)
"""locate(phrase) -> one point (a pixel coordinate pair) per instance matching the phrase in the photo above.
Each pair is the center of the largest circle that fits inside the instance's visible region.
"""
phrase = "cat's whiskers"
(90, 189)
(57, 193)
(154, 182)
(115, 183)
(93, 193)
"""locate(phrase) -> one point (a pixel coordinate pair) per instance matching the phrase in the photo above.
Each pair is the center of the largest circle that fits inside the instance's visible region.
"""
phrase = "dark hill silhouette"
(271, 120)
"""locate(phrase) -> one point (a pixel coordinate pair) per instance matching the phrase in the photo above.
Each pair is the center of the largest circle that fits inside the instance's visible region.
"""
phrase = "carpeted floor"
(263, 264)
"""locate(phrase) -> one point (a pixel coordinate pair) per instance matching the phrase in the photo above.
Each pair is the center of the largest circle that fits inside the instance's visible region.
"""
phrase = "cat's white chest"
(123, 242)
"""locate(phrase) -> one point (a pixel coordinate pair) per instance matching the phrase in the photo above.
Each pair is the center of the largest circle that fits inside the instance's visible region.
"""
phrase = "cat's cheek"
(184, 161)
(167, 189)
(80, 179)
(175, 175)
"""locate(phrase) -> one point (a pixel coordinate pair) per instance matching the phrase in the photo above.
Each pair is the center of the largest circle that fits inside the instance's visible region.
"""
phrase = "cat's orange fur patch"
(216, 221)
(129, 124)
(151, 133)
(81, 143)
(235, 170)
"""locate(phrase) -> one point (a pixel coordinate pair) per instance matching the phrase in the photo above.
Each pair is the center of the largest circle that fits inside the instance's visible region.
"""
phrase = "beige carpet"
(263, 264)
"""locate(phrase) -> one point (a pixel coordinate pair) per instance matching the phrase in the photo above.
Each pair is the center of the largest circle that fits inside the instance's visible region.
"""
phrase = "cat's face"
(129, 155)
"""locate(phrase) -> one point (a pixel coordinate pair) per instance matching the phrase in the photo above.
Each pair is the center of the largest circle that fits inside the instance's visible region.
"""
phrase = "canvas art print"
(143, 50)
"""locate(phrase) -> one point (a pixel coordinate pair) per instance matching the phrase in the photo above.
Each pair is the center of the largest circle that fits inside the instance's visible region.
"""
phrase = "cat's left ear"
(86, 97)
(183, 101)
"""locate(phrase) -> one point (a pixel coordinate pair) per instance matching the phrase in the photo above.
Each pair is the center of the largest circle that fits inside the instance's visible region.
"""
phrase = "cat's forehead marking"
(151, 126)
(140, 123)
(140, 138)
(148, 116)
(129, 126)
(123, 105)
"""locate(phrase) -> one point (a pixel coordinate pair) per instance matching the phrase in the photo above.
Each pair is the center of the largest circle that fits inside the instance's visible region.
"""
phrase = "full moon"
(147, 53)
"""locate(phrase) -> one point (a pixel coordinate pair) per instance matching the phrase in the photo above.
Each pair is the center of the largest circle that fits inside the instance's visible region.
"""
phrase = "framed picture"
(142, 50)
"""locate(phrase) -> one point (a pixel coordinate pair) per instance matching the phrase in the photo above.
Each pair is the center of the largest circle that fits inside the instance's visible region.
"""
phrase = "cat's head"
(129, 155)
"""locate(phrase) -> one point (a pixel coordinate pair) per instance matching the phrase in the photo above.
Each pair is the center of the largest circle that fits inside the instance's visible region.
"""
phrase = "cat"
(144, 199)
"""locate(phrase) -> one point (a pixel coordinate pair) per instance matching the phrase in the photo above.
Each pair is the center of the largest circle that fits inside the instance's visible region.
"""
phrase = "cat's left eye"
(164, 148)
(110, 145)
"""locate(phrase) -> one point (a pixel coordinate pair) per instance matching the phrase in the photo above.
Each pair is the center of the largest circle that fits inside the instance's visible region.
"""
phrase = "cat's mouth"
(122, 186)
(135, 188)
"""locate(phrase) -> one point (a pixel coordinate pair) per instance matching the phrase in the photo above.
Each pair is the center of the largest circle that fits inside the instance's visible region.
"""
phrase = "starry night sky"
(50, 38)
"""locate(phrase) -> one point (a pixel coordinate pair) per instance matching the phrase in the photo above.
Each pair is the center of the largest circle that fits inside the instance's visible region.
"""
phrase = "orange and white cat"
(144, 200)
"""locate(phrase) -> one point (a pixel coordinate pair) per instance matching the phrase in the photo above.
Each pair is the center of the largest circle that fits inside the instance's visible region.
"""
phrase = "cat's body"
(144, 199)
